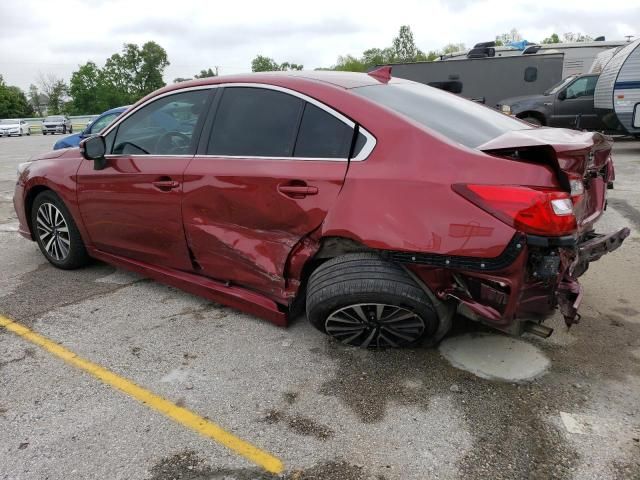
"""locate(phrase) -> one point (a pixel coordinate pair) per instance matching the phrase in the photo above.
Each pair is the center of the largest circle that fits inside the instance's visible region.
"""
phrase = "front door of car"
(132, 207)
(574, 108)
(266, 174)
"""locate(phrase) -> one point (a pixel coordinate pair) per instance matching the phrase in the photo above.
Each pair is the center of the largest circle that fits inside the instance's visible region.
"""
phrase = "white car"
(14, 127)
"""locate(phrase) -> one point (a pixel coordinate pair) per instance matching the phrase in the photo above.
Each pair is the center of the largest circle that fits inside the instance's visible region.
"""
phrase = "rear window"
(458, 119)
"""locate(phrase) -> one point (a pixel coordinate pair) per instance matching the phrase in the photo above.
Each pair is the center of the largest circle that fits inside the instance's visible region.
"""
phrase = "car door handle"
(165, 185)
(297, 191)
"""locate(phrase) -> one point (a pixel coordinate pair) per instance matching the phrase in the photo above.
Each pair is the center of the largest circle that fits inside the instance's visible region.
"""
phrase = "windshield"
(461, 120)
(54, 119)
(560, 85)
(9, 122)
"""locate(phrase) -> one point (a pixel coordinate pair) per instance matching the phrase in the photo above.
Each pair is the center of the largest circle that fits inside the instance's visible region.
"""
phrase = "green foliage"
(267, 64)
(34, 100)
(403, 49)
(126, 77)
(207, 73)
(57, 96)
(571, 37)
(552, 39)
(453, 48)
(13, 103)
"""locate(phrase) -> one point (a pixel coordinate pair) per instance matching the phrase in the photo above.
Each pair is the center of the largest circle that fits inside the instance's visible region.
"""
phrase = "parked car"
(16, 127)
(384, 205)
(93, 128)
(569, 104)
(56, 124)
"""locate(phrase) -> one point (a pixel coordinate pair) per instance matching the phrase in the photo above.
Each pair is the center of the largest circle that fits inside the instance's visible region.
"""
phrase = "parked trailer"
(617, 94)
(488, 80)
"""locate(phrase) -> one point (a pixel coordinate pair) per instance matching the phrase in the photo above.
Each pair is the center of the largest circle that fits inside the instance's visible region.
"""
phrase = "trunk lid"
(581, 160)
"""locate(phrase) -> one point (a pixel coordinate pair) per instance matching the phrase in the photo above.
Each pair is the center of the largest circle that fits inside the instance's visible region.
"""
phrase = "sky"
(45, 37)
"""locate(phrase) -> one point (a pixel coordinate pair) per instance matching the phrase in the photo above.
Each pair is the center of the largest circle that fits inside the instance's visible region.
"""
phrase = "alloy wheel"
(375, 325)
(53, 231)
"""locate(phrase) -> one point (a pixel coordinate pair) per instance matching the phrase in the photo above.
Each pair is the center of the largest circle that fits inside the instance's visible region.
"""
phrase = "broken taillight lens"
(538, 211)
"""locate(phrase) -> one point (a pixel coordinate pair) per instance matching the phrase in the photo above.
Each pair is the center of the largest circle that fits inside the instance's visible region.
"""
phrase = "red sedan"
(381, 204)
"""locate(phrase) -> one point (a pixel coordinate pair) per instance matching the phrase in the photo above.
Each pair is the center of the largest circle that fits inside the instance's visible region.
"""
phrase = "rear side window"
(322, 135)
(458, 119)
(255, 122)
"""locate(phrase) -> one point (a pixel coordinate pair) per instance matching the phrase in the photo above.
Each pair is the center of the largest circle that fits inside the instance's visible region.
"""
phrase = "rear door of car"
(270, 165)
(132, 207)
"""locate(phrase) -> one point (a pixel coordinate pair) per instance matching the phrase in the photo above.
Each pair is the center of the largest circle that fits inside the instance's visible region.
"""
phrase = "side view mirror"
(94, 148)
(562, 95)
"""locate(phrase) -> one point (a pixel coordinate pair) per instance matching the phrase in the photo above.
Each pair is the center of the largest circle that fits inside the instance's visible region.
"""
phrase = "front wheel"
(365, 301)
(56, 232)
(532, 120)
(71, 129)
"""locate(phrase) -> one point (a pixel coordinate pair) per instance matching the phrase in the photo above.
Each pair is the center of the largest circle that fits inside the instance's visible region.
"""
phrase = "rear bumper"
(539, 280)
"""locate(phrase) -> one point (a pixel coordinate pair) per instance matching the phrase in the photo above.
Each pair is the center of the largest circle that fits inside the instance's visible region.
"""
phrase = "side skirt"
(232, 296)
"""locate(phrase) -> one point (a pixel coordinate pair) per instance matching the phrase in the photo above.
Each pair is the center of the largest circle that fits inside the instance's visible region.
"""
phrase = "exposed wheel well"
(533, 114)
(28, 203)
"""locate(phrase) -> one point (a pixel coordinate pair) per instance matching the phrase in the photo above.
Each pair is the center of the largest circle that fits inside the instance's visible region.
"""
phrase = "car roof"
(116, 110)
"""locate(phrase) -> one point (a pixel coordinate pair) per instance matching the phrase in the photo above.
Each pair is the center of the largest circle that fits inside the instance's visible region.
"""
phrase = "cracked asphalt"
(328, 412)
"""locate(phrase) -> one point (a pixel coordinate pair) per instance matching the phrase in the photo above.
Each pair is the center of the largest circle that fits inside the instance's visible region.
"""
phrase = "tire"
(29, 133)
(66, 249)
(362, 300)
(64, 130)
(532, 120)
(71, 129)
(44, 133)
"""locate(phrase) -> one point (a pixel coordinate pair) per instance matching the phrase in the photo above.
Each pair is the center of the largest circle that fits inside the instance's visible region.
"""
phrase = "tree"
(87, 89)
(136, 71)
(552, 39)
(13, 103)
(404, 48)
(267, 64)
(453, 48)
(207, 73)
(126, 77)
(56, 91)
(506, 38)
(181, 79)
(571, 37)
(264, 64)
(34, 99)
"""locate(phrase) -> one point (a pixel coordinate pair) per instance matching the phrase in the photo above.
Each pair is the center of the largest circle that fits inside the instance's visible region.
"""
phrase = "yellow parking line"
(181, 415)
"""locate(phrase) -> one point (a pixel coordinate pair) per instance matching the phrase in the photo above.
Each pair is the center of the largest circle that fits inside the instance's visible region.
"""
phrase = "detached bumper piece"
(570, 292)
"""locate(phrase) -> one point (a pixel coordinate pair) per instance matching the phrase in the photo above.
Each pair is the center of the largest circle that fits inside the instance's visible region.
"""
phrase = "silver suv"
(56, 124)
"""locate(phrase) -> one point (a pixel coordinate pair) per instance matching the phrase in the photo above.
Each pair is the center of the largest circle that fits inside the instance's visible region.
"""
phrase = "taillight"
(538, 211)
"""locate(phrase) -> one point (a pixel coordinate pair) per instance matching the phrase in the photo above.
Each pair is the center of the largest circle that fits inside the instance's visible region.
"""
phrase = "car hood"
(10, 125)
(523, 99)
(61, 154)
(70, 141)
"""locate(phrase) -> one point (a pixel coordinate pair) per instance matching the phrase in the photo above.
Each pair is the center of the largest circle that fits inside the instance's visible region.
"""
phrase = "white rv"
(617, 93)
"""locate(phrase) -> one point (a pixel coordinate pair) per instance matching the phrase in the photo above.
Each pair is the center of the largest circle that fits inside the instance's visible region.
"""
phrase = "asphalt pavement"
(483, 405)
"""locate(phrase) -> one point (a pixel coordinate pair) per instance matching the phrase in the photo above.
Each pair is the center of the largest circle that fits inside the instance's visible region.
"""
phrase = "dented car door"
(267, 171)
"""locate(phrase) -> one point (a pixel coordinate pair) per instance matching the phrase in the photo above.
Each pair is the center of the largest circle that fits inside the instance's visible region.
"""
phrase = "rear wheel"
(56, 232)
(71, 129)
(64, 129)
(364, 301)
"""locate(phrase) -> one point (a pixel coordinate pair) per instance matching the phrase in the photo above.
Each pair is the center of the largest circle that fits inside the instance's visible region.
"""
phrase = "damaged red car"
(380, 205)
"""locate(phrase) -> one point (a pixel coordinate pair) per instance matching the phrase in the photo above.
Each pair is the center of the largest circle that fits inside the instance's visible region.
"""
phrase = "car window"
(255, 122)
(560, 85)
(102, 122)
(458, 119)
(582, 87)
(162, 127)
(322, 135)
